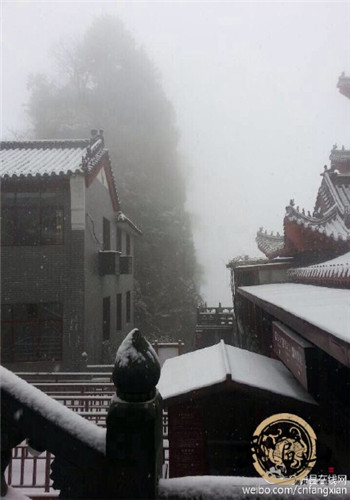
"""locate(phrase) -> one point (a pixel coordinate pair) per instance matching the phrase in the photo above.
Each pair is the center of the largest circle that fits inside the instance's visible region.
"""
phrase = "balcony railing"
(215, 316)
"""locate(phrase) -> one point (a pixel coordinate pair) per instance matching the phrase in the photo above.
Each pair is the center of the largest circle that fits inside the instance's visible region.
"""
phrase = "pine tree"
(106, 81)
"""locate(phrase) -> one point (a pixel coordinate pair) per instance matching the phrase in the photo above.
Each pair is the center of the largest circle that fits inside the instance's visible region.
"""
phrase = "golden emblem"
(284, 448)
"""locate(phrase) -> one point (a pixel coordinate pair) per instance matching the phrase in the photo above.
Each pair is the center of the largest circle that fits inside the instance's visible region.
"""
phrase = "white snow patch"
(127, 354)
(212, 365)
(15, 494)
(326, 308)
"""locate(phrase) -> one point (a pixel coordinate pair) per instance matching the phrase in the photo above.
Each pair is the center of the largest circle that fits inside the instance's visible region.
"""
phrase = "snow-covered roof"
(219, 363)
(323, 307)
(332, 210)
(269, 244)
(330, 220)
(335, 272)
(331, 213)
(331, 224)
(49, 157)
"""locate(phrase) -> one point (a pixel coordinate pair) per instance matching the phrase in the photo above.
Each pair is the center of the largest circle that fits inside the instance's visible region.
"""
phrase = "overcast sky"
(253, 85)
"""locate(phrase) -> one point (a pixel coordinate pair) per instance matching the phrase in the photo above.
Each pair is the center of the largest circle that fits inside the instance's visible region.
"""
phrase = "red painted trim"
(112, 188)
(105, 163)
(303, 239)
(93, 173)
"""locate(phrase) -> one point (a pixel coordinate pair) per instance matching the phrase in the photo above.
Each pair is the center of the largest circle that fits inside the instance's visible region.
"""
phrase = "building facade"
(67, 250)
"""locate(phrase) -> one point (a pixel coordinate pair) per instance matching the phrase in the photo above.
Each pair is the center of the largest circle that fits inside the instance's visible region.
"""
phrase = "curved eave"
(270, 245)
(330, 226)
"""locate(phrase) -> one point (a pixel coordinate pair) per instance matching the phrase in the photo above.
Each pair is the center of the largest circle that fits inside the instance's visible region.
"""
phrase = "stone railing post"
(134, 421)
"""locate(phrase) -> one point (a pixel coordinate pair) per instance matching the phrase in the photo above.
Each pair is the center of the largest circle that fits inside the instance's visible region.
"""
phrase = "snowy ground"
(15, 494)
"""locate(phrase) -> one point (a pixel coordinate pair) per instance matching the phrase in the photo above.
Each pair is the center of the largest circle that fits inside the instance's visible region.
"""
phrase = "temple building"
(295, 305)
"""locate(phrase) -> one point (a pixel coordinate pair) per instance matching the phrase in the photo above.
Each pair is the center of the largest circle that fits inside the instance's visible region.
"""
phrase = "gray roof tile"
(33, 158)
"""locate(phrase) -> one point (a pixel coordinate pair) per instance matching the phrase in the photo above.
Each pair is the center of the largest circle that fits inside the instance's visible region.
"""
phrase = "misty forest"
(106, 81)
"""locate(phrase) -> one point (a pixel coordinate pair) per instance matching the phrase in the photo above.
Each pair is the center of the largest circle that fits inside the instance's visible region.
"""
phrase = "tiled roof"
(331, 216)
(61, 158)
(271, 245)
(37, 158)
(335, 272)
(331, 225)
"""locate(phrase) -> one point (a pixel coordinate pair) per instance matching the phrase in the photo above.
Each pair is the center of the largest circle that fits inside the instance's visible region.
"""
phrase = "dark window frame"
(128, 244)
(128, 307)
(119, 312)
(106, 318)
(38, 322)
(38, 205)
(119, 240)
(106, 233)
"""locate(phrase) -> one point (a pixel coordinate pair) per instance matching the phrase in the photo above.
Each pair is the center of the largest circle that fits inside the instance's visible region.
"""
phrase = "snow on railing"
(29, 396)
(90, 462)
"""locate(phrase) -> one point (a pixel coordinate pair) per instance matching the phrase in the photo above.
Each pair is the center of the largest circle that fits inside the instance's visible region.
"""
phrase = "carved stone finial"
(137, 368)
(292, 203)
